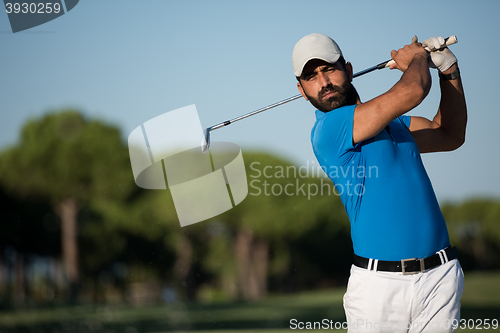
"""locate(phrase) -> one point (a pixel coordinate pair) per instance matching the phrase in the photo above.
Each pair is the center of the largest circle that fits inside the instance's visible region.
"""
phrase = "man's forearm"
(413, 86)
(452, 114)
(418, 72)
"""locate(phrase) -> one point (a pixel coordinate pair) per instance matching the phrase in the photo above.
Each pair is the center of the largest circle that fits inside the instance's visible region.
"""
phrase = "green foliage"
(476, 217)
(64, 155)
(474, 226)
(100, 243)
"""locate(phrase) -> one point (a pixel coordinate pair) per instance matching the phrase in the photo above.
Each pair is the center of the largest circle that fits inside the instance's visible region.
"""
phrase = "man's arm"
(373, 116)
(447, 130)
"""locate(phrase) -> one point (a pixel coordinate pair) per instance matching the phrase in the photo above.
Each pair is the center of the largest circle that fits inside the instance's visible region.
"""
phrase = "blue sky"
(126, 62)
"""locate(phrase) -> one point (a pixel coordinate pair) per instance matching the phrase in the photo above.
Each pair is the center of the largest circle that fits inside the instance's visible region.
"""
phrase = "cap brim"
(329, 58)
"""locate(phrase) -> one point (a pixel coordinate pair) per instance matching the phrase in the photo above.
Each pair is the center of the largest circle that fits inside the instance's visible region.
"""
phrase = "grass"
(481, 300)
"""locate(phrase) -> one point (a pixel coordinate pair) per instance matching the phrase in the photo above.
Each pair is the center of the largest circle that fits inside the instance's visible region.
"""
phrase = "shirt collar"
(319, 114)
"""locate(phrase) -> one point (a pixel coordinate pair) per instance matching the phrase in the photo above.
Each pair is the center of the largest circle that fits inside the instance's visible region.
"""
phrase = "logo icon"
(26, 14)
(165, 152)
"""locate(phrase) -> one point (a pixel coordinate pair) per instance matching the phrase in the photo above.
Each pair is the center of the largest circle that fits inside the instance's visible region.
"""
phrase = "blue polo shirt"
(386, 192)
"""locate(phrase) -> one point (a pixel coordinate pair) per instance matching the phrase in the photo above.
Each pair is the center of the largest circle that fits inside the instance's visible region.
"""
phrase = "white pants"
(393, 302)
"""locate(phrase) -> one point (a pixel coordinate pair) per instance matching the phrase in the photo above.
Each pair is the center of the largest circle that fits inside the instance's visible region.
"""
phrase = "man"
(394, 214)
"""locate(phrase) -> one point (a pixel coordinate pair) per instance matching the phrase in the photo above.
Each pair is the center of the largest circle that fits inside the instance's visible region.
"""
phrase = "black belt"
(408, 266)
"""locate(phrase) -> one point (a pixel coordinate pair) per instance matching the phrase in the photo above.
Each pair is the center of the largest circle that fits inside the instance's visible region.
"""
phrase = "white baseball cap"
(314, 46)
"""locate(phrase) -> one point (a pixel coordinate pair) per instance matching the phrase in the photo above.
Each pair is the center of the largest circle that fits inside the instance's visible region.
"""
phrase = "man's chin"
(328, 105)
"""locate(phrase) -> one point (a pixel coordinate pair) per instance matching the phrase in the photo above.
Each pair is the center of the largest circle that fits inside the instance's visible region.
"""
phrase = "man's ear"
(348, 68)
(299, 86)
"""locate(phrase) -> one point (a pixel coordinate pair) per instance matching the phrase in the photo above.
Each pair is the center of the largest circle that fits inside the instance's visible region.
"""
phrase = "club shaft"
(255, 112)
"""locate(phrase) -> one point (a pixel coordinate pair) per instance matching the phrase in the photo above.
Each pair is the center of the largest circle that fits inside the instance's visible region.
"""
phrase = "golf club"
(205, 140)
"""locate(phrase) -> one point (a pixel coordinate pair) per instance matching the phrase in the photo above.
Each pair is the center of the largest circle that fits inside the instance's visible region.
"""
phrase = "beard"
(346, 95)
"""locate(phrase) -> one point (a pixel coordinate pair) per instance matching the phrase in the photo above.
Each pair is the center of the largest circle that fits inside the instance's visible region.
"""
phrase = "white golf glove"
(441, 59)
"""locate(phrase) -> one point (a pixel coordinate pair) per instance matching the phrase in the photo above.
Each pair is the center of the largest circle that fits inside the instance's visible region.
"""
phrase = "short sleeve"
(405, 121)
(332, 132)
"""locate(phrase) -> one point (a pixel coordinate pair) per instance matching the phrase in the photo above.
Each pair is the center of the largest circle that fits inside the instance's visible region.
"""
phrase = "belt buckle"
(403, 266)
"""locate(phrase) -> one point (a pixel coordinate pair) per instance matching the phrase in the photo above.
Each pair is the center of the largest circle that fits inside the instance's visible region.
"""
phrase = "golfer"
(405, 276)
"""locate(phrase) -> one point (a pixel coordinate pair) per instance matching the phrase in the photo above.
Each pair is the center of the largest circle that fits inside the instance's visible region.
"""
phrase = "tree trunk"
(252, 262)
(67, 211)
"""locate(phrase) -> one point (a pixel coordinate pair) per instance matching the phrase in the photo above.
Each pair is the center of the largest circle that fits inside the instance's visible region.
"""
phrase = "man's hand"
(440, 59)
(403, 57)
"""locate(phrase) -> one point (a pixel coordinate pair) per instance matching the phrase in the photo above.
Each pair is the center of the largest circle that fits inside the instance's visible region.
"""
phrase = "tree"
(72, 162)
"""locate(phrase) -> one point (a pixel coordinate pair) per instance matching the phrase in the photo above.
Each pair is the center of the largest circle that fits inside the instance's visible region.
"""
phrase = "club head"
(205, 140)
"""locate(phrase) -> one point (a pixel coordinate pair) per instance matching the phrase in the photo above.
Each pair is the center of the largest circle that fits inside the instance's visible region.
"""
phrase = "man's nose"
(324, 80)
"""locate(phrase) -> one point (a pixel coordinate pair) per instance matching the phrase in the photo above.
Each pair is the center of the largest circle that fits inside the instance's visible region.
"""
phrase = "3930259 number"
(33, 8)
(477, 324)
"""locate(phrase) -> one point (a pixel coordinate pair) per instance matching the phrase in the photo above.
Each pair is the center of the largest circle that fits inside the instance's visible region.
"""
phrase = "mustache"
(329, 88)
